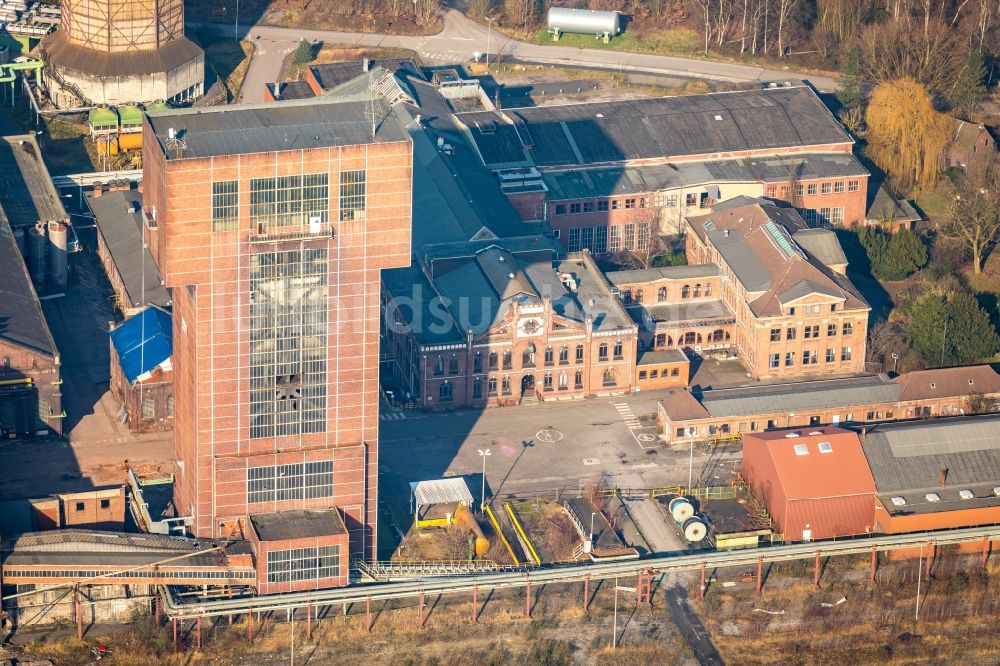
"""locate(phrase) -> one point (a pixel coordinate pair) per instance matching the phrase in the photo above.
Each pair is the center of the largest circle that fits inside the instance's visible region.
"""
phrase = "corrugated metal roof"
(143, 342)
(441, 491)
(297, 524)
(59, 51)
(800, 396)
(821, 244)
(21, 318)
(663, 273)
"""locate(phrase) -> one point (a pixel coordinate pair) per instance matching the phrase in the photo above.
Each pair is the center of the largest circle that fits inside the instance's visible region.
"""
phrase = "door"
(807, 535)
(836, 419)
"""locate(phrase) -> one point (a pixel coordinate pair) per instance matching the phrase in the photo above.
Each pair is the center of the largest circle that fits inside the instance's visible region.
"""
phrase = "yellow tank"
(465, 520)
(131, 141)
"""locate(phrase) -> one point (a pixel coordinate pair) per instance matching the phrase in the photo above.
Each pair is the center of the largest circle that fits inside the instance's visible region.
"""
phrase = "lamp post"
(489, 38)
(895, 362)
(592, 514)
(691, 466)
(483, 453)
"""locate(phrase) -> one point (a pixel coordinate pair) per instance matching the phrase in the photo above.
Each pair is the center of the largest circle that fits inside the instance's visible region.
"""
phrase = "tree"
(849, 84)
(669, 259)
(952, 330)
(303, 53)
(977, 403)
(906, 135)
(974, 212)
(969, 89)
(905, 254)
(894, 50)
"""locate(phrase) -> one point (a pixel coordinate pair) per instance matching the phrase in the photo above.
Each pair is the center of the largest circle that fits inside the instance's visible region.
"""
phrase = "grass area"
(549, 527)
(65, 146)
(329, 53)
(322, 19)
(933, 203)
(674, 41)
(225, 59)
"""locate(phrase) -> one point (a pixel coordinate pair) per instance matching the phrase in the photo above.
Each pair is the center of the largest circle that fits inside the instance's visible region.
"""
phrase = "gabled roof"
(806, 471)
(330, 75)
(948, 382)
(663, 273)
(823, 245)
(21, 318)
(143, 342)
(807, 288)
(654, 128)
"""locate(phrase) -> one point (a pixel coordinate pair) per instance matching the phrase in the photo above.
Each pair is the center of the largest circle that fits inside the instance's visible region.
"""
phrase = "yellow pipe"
(520, 531)
(21, 380)
(503, 539)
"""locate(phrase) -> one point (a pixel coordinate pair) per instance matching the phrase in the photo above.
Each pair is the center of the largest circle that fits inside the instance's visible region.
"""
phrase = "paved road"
(461, 37)
(691, 627)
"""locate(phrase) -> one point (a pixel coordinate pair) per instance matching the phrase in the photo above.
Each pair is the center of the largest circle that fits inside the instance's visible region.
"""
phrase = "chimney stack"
(944, 476)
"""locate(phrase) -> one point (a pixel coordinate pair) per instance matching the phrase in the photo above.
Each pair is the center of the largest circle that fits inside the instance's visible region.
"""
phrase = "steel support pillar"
(760, 574)
(644, 588)
(816, 571)
(586, 594)
(368, 614)
(527, 600)
(930, 561)
(986, 550)
(309, 621)
(874, 563)
(475, 604)
(177, 644)
(197, 632)
(702, 588)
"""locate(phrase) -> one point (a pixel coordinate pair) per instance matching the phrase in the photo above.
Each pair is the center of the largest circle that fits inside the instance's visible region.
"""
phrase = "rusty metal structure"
(123, 51)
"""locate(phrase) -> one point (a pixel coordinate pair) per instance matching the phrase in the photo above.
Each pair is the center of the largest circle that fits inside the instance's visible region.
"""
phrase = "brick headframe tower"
(270, 225)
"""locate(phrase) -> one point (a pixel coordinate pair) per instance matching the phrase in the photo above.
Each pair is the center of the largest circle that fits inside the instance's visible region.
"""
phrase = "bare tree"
(974, 212)
(977, 403)
(785, 8)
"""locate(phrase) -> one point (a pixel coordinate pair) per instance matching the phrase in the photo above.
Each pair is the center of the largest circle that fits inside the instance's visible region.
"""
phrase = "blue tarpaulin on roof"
(143, 342)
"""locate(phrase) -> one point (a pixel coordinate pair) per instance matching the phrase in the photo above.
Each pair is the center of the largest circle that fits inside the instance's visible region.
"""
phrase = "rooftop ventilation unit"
(932, 497)
(966, 494)
(899, 501)
(792, 434)
(813, 433)
(996, 491)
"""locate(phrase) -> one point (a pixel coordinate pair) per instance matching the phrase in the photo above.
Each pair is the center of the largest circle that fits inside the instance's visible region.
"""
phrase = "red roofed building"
(815, 483)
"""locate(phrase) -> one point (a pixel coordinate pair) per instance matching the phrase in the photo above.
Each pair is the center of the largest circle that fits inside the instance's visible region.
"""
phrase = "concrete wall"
(39, 402)
(98, 603)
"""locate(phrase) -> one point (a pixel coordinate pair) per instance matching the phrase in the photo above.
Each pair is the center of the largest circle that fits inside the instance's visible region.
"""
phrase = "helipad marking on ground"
(548, 435)
(645, 437)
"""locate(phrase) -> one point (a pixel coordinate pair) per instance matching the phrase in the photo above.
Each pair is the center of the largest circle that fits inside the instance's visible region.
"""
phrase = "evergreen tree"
(904, 254)
(955, 329)
(969, 89)
(849, 84)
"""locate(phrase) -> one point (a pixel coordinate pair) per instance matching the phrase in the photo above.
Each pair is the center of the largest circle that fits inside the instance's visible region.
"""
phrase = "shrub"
(893, 256)
(955, 329)
(669, 259)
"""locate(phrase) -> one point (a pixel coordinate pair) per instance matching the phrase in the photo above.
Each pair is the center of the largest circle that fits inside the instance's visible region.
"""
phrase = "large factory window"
(279, 483)
(287, 201)
(352, 195)
(225, 205)
(295, 564)
(288, 342)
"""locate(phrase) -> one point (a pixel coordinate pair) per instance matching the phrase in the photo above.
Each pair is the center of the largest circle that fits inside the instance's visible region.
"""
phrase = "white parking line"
(645, 440)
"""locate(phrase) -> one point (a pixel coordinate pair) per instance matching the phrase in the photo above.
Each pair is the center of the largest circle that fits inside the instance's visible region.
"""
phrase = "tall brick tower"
(270, 225)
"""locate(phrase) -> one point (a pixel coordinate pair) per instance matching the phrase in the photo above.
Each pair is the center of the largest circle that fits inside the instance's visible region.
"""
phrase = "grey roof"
(689, 311)
(292, 90)
(749, 269)
(330, 75)
(419, 308)
(297, 524)
(21, 318)
(805, 288)
(441, 491)
(800, 396)
(907, 459)
(565, 184)
(664, 356)
(71, 540)
(119, 222)
(885, 206)
(604, 132)
(26, 191)
(821, 244)
(61, 52)
(640, 275)
(258, 128)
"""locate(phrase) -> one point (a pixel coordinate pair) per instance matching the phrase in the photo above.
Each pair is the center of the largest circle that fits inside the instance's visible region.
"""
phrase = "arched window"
(697, 290)
(148, 407)
(641, 344)
(549, 354)
(638, 295)
(609, 377)
(477, 362)
(661, 295)
(578, 379)
(439, 366)
(708, 289)
(618, 348)
(453, 365)
(564, 354)
(686, 291)
(170, 406)
(477, 388)
(507, 362)
(444, 391)
(699, 338)
(661, 339)
(690, 338)
(547, 381)
(602, 351)
(506, 385)
(579, 353)
(528, 357)
(491, 385)
(493, 360)
(717, 335)
(563, 378)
